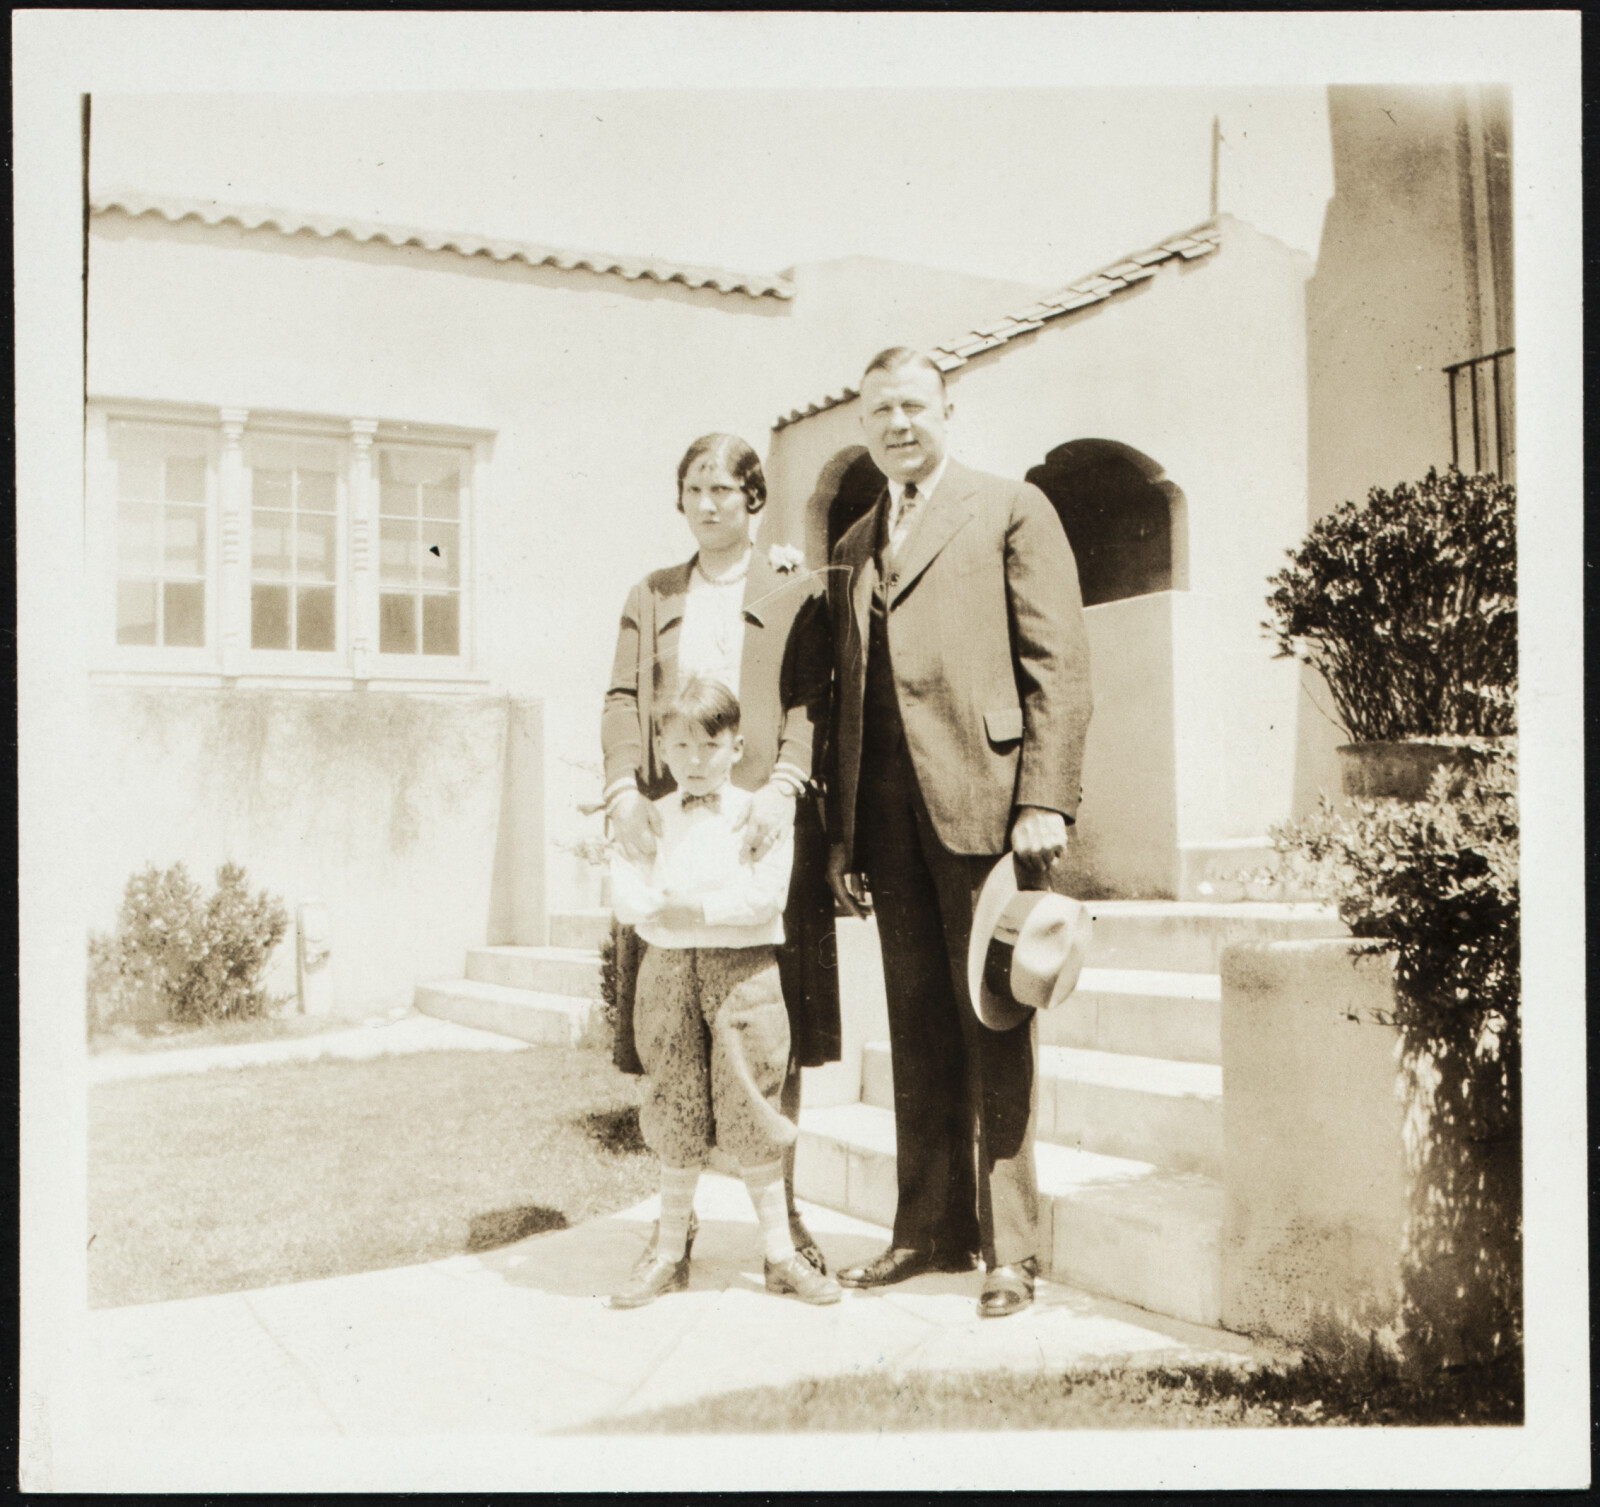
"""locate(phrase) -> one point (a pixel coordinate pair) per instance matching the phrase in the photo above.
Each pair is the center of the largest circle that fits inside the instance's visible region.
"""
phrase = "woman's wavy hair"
(743, 464)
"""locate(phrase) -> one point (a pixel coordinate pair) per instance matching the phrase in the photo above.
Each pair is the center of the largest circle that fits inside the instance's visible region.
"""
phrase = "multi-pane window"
(294, 543)
(243, 544)
(162, 481)
(420, 495)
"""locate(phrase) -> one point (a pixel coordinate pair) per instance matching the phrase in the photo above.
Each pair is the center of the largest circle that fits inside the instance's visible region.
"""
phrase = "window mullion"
(363, 607)
(232, 598)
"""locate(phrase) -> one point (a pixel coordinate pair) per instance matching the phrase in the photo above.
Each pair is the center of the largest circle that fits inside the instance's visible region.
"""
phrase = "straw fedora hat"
(1027, 949)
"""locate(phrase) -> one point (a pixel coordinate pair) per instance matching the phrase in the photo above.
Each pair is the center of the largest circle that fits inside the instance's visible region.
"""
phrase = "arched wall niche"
(1126, 522)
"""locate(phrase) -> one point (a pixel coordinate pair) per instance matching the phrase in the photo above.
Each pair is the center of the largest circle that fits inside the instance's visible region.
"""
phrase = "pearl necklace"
(737, 574)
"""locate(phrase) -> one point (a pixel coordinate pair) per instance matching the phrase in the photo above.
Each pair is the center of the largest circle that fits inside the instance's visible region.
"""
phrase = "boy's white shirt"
(697, 855)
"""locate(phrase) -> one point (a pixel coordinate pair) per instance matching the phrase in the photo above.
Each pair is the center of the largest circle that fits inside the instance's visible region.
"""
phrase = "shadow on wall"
(1464, 1225)
(1125, 521)
(845, 489)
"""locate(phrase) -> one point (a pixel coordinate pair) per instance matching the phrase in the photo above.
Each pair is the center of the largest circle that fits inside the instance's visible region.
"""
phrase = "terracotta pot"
(1398, 771)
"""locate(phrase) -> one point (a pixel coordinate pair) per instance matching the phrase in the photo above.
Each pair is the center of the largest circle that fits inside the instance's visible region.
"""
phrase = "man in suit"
(962, 703)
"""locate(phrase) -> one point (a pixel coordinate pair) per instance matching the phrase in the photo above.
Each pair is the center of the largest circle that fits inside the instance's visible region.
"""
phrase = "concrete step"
(1110, 1225)
(1142, 1012)
(572, 971)
(1145, 1108)
(585, 929)
(1182, 936)
(548, 1019)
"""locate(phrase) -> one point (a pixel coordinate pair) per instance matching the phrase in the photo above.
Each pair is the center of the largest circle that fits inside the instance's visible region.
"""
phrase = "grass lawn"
(165, 1037)
(214, 1182)
(1197, 1396)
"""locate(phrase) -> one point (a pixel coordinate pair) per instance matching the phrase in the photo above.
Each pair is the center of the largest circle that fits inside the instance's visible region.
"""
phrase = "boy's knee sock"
(766, 1193)
(677, 1204)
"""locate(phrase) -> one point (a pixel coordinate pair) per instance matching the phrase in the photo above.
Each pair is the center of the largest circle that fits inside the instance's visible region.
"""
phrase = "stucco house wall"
(582, 389)
(1201, 368)
(379, 806)
(1414, 272)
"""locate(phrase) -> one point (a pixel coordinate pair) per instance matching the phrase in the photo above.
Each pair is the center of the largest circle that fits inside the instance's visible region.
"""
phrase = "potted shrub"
(1406, 605)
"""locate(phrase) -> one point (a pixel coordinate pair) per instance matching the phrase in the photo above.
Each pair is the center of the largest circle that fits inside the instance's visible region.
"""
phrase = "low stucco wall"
(1125, 842)
(1313, 1120)
(1314, 1144)
(392, 810)
(1367, 1205)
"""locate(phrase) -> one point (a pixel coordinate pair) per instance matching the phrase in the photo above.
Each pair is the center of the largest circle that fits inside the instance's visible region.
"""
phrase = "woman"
(757, 622)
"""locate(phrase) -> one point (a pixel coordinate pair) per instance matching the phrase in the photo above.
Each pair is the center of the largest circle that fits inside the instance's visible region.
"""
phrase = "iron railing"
(1485, 399)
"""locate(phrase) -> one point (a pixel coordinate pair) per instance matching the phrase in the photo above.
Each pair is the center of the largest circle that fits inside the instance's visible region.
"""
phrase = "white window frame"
(228, 657)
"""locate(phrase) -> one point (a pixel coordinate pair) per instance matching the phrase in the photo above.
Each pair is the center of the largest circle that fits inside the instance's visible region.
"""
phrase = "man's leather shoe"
(954, 1261)
(896, 1264)
(1008, 1290)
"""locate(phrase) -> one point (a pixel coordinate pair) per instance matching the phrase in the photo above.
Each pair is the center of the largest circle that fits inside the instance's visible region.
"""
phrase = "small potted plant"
(1406, 605)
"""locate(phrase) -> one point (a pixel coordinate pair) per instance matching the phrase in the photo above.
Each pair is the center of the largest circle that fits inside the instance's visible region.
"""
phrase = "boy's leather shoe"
(1008, 1289)
(653, 1276)
(655, 1236)
(805, 1246)
(896, 1264)
(798, 1276)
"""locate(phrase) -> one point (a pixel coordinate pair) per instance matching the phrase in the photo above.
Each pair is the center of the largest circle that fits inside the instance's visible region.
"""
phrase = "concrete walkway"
(379, 1038)
(520, 1340)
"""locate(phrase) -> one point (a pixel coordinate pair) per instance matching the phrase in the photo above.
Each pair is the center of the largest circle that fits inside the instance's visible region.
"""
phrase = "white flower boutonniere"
(785, 558)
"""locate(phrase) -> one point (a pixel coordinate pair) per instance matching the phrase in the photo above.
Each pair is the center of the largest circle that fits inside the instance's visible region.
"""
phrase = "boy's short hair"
(703, 703)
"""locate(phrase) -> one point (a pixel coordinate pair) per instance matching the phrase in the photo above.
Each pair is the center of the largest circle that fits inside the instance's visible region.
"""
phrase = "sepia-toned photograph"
(800, 766)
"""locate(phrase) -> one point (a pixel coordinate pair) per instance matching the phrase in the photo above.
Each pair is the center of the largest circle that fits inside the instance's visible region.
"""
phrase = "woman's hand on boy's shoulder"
(770, 815)
(637, 824)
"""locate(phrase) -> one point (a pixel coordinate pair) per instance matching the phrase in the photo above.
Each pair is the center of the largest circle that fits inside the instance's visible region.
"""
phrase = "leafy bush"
(1435, 884)
(1406, 605)
(182, 956)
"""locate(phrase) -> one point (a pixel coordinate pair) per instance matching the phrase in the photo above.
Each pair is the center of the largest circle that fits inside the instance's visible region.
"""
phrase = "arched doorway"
(1125, 521)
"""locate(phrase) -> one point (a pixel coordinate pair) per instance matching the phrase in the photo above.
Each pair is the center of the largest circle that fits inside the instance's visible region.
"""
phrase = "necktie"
(902, 523)
(711, 802)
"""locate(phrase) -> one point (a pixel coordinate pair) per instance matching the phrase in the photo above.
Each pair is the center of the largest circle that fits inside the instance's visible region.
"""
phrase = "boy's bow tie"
(711, 802)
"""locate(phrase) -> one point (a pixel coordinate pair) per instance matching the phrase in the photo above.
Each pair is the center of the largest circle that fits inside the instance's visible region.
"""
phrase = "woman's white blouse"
(711, 640)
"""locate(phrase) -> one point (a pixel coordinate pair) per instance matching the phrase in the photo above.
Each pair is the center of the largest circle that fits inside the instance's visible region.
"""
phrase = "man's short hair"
(898, 356)
(702, 703)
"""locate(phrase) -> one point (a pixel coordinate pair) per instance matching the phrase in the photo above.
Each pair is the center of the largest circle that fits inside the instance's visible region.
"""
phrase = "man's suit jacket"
(990, 656)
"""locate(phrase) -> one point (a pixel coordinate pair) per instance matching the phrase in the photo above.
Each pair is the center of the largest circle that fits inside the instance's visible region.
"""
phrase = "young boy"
(709, 1017)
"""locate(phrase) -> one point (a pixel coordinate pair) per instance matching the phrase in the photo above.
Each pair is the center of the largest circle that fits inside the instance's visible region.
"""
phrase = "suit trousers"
(965, 1097)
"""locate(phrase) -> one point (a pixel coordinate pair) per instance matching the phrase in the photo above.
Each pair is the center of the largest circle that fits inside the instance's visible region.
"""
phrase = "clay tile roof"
(1107, 283)
(328, 227)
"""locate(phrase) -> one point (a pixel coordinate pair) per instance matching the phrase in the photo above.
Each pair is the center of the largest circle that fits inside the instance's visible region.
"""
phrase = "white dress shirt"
(697, 855)
(897, 501)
